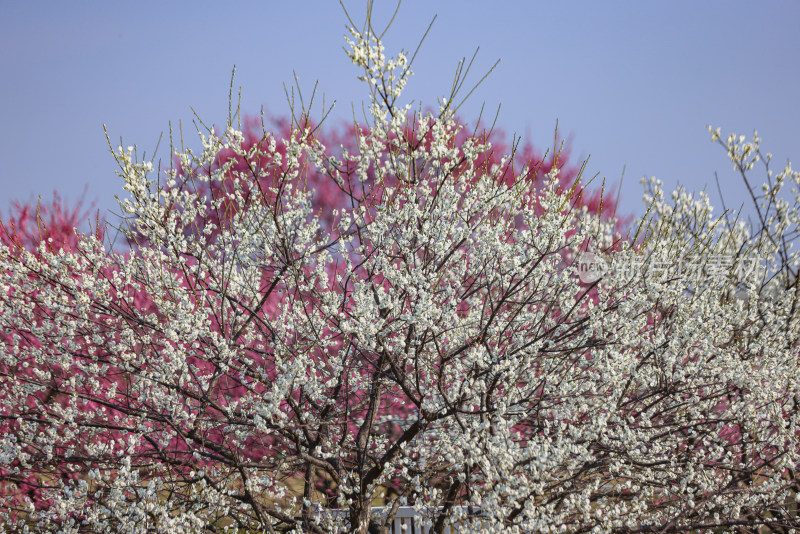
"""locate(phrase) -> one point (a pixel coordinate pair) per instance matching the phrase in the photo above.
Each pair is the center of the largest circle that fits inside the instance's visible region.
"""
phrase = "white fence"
(407, 520)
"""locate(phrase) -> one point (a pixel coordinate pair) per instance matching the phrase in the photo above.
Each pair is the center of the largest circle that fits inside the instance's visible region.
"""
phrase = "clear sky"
(633, 84)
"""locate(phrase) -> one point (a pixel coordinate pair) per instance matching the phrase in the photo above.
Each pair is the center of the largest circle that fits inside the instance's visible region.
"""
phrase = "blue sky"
(633, 84)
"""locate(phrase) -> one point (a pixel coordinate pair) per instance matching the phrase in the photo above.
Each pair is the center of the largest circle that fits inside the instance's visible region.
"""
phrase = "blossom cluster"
(427, 342)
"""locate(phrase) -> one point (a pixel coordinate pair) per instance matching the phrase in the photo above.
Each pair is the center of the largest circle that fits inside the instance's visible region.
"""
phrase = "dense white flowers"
(435, 346)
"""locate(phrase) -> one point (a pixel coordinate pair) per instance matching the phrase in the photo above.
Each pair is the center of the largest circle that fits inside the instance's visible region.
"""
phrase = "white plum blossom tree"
(434, 347)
